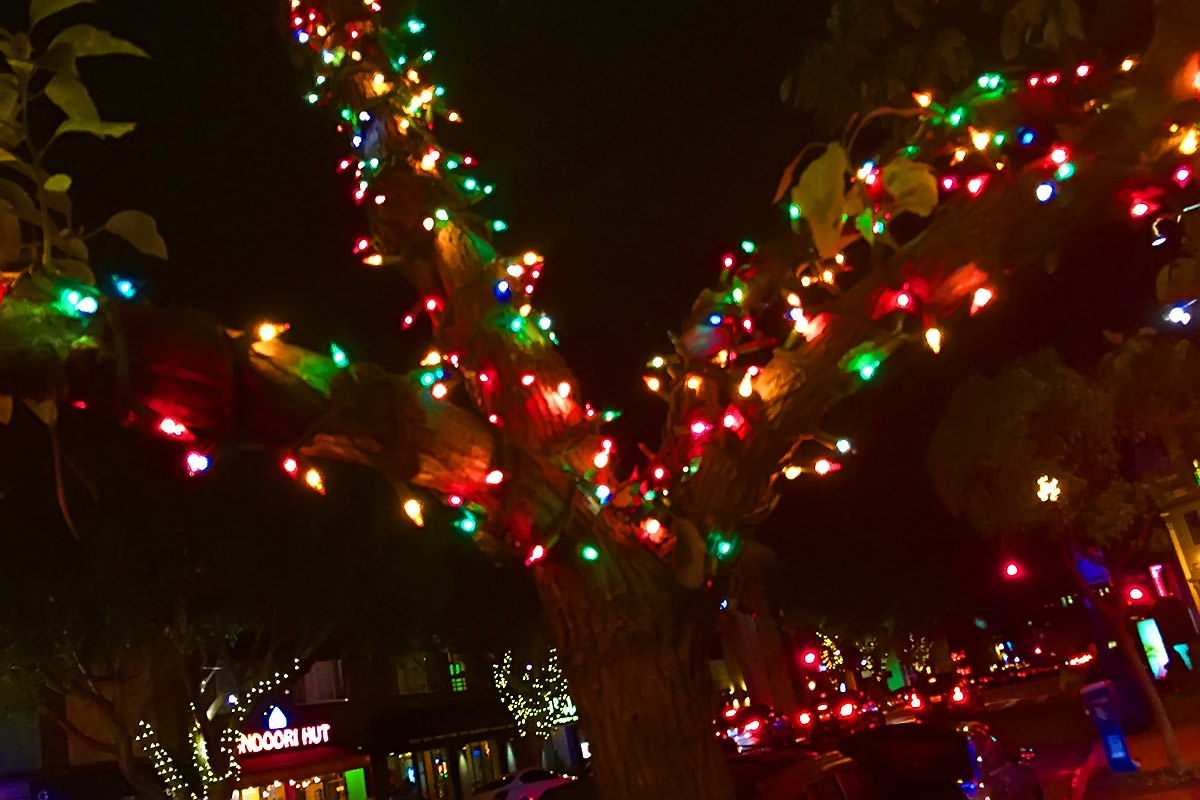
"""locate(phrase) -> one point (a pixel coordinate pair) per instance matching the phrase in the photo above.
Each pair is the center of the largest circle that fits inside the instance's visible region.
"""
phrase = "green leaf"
(1178, 280)
(76, 270)
(69, 94)
(864, 223)
(140, 230)
(104, 130)
(88, 40)
(40, 9)
(58, 183)
(912, 184)
(60, 58)
(820, 194)
(16, 196)
(73, 246)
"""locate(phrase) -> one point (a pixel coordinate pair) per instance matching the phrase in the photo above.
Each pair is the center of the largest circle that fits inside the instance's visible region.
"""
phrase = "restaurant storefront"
(301, 761)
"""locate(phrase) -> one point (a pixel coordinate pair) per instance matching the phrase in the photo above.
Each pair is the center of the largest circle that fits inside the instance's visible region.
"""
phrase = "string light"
(315, 481)
(980, 299)
(494, 478)
(933, 339)
(197, 462)
(412, 507)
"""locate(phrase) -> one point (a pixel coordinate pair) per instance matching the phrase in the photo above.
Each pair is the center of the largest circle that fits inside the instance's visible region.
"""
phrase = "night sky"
(633, 144)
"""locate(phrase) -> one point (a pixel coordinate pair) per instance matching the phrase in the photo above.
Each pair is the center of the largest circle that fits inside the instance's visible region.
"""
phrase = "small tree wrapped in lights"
(535, 694)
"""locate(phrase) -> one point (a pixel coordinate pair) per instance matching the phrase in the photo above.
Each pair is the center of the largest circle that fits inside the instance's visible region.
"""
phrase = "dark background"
(633, 143)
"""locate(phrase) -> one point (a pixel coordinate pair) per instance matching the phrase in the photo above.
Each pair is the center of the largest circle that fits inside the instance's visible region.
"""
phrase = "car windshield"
(916, 755)
(497, 784)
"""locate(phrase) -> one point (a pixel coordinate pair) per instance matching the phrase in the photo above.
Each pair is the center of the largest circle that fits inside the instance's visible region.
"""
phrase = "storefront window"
(477, 765)
(317, 787)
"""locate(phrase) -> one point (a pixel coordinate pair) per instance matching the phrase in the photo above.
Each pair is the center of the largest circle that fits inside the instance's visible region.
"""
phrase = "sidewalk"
(1097, 783)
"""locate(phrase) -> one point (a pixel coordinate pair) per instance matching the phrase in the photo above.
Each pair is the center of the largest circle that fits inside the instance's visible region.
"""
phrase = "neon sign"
(283, 739)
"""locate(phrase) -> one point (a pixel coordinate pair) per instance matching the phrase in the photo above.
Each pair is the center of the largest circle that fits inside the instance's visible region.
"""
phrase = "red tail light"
(846, 710)
(957, 695)
(914, 701)
(805, 718)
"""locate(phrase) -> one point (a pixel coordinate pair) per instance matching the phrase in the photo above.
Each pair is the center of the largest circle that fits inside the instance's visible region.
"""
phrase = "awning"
(299, 764)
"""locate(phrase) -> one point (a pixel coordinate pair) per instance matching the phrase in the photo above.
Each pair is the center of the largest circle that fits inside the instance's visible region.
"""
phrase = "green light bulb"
(470, 184)
(427, 56)
(313, 97)
(499, 225)
(1065, 170)
(610, 415)
(516, 324)
(589, 552)
(451, 164)
(956, 117)
(544, 322)
(794, 211)
(442, 215)
(999, 138)
(339, 356)
(748, 246)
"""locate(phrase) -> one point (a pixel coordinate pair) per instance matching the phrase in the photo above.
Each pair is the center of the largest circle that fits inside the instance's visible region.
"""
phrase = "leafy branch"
(38, 235)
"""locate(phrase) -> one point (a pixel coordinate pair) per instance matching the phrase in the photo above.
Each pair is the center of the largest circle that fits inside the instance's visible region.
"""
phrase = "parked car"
(755, 726)
(944, 695)
(837, 714)
(926, 759)
(524, 784)
(799, 774)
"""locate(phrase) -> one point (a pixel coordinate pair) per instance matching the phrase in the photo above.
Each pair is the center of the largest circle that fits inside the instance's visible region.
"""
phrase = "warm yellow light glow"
(439, 391)
(322, 30)
(429, 160)
(1189, 143)
(270, 330)
(380, 79)
(431, 359)
(746, 387)
(525, 310)
(658, 362)
(792, 472)
(840, 258)
(375, 260)
(1048, 490)
(428, 223)
(793, 299)
(806, 280)
(694, 382)
(315, 481)
(653, 383)
(531, 258)
(413, 75)
(802, 325)
(981, 139)
(827, 276)
(564, 389)
(412, 507)
(933, 338)
(600, 459)
(923, 99)
(454, 116)
(1128, 64)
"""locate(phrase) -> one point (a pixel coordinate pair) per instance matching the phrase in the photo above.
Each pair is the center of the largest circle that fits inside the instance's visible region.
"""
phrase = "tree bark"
(1133, 658)
(634, 644)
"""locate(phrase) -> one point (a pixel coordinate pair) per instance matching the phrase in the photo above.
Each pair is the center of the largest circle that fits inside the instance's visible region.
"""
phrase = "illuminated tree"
(1042, 450)
(899, 234)
(536, 694)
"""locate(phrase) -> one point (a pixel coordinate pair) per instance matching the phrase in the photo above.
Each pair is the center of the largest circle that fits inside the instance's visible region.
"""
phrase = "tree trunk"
(634, 645)
(1133, 656)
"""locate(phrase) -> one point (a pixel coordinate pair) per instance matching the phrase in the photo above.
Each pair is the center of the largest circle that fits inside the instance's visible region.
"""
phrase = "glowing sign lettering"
(283, 739)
